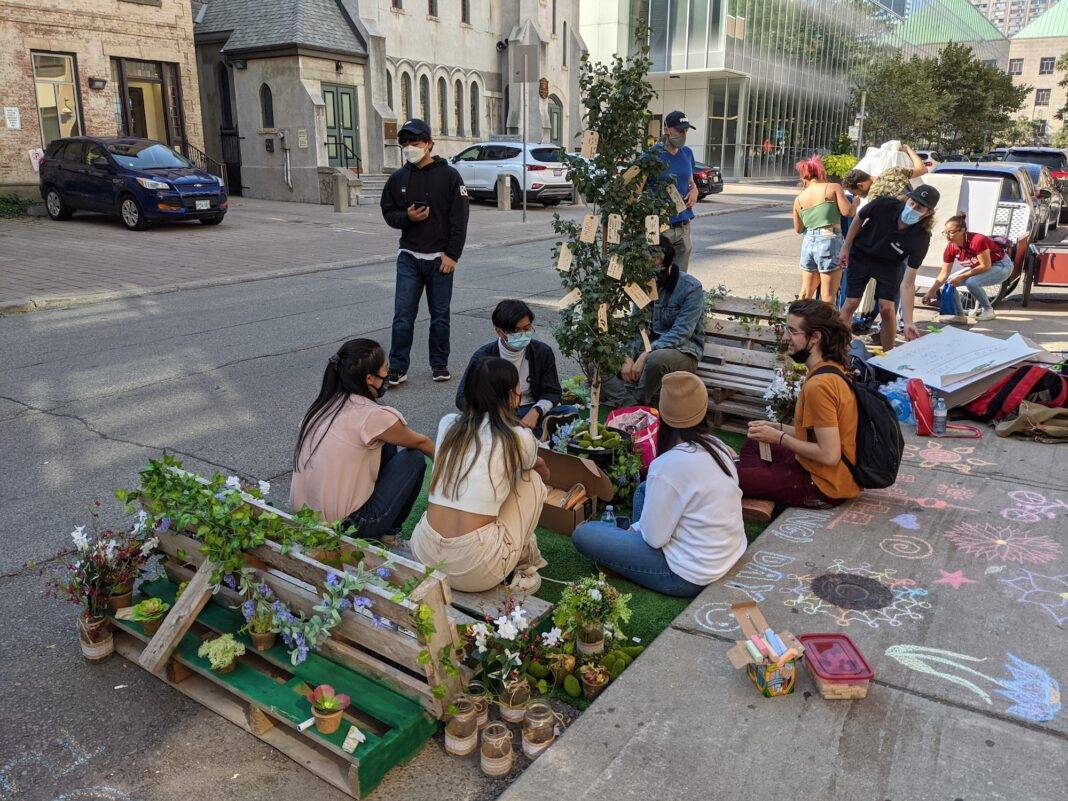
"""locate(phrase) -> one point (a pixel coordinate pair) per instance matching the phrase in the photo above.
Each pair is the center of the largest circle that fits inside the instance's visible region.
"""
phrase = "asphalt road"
(219, 377)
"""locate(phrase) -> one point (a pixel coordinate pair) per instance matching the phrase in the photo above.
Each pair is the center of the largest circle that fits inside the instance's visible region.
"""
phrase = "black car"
(708, 179)
(138, 180)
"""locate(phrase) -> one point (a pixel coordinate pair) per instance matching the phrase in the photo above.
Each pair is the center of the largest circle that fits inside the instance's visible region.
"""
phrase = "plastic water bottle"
(609, 515)
(940, 414)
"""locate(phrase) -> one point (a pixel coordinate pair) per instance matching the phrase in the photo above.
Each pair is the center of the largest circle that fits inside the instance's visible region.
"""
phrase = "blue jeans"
(414, 275)
(623, 551)
(819, 251)
(556, 410)
(998, 272)
(400, 479)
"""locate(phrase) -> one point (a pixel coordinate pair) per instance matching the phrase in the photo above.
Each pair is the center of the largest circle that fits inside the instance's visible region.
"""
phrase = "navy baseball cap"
(925, 195)
(677, 120)
(414, 130)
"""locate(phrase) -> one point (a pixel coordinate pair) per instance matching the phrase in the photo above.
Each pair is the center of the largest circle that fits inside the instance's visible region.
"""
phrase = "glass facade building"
(768, 82)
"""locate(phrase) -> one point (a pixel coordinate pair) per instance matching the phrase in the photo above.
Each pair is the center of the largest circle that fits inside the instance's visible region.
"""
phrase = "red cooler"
(836, 665)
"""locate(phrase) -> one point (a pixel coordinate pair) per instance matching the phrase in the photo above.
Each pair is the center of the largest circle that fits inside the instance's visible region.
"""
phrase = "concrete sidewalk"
(90, 258)
(953, 584)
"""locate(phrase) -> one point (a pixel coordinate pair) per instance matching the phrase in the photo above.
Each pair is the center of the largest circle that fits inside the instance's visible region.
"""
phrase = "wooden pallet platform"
(265, 695)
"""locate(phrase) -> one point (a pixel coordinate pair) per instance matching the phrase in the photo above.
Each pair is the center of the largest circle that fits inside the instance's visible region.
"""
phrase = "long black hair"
(346, 374)
(700, 436)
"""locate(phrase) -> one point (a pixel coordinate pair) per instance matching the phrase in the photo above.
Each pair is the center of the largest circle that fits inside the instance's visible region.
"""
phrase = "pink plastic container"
(836, 665)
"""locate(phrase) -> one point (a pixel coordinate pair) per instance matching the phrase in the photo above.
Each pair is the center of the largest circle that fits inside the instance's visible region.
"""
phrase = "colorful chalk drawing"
(93, 794)
(1003, 543)
(956, 492)
(1035, 695)
(934, 454)
(861, 511)
(716, 618)
(907, 546)
(1031, 507)
(907, 600)
(956, 579)
(1049, 593)
(906, 521)
(759, 575)
(798, 525)
(10, 773)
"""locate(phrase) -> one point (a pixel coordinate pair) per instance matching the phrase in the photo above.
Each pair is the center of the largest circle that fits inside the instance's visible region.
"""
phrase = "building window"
(389, 90)
(226, 109)
(266, 106)
(406, 95)
(1015, 66)
(465, 11)
(1042, 97)
(443, 107)
(424, 99)
(397, 5)
(474, 110)
(1045, 65)
(432, 7)
(56, 87)
(554, 18)
(459, 102)
(564, 62)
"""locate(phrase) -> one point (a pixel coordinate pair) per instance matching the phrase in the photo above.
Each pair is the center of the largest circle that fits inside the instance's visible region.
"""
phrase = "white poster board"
(976, 196)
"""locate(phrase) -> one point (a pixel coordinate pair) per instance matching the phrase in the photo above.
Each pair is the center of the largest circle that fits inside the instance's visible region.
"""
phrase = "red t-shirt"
(968, 253)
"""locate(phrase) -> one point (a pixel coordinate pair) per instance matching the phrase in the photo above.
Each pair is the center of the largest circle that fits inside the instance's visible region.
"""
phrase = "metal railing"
(203, 160)
(350, 155)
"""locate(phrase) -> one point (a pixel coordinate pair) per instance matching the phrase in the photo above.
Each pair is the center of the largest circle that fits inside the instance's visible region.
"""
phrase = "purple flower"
(164, 524)
(332, 579)
(364, 602)
(302, 654)
(264, 592)
(345, 604)
(230, 580)
(383, 572)
(287, 638)
(248, 609)
(377, 622)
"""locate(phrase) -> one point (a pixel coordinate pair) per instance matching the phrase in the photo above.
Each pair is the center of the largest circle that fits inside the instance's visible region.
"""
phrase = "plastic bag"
(643, 425)
(897, 393)
(947, 299)
(878, 160)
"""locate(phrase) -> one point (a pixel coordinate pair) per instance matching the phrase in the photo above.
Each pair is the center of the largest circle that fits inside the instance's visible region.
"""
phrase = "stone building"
(294, 90)
(1033, 54)
(94, 68)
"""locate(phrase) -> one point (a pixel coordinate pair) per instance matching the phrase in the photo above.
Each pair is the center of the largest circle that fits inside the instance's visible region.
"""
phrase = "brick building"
(94, 68)
(1033, 54)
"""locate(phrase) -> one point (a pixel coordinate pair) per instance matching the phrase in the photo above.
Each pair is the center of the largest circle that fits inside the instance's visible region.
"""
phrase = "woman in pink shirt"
(356, 460)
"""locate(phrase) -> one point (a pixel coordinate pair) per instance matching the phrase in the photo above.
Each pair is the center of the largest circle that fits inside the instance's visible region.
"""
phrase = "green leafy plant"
(575, 390)
(592, 603)
(13, 206)
(838, 164)
(326, 700)
(150, 609)
(625, 475)
(221, 651)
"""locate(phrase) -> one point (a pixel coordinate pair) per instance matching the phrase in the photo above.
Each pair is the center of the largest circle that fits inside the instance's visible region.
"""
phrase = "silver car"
(545, 179)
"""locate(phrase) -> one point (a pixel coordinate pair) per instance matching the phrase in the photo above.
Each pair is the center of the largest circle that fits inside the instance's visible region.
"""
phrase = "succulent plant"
(221, 651)
(325, 699)
(150, 609)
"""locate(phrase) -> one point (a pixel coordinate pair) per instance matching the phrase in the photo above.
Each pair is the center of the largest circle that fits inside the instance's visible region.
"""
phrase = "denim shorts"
(819, 250)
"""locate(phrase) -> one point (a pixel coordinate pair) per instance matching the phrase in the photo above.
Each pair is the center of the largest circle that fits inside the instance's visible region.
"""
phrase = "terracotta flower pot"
(327, 722)
(120, 600)
(562, 666)
(590, 690)
(96, 638)
(150, 627)
(227, 668)
(263, 641)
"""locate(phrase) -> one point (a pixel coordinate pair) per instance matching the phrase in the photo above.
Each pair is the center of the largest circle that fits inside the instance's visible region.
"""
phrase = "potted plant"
(149, 613)
(505, 648)
(559, 653)
(594, 679)
(222, 652)
(327, 707)
(592, 608)
(259, 614)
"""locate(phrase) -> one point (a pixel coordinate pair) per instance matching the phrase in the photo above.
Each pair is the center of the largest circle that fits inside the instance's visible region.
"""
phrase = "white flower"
(265, 487)
(595, 594)
(552, 637)
(148, 545)
(506, 629)
(481, 632)
(519, 618)
(142, 516)
(109, 549)
(480, 644)
(81, 541)
(234, 483)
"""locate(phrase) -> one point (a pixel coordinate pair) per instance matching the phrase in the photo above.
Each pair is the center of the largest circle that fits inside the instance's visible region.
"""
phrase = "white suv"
(545, 181)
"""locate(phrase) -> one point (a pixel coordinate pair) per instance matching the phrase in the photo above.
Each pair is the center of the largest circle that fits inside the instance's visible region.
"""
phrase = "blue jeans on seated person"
(624, 552)
(400, 479)
(998, 272)
(556, 411)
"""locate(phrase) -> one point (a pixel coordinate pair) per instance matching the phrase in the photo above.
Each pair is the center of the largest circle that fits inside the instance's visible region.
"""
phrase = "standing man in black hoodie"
(427, 200)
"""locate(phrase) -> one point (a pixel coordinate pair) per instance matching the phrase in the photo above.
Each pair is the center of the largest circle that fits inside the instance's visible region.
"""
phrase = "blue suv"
(139, 180)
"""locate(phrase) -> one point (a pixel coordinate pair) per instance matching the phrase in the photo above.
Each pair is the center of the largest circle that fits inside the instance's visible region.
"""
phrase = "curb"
(68, 301)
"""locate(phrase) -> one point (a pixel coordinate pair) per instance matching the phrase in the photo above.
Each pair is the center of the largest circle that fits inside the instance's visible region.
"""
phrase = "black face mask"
(380, 391)
(801, 356)
(667, 277)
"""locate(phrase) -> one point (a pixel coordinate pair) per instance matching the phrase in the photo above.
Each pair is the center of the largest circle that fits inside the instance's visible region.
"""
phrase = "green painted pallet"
(257, 694)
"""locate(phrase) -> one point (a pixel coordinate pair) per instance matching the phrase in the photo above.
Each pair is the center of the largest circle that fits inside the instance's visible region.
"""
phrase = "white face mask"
(414, 153)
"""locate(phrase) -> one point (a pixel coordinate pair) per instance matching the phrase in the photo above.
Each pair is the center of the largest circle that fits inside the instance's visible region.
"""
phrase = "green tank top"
(822, 215)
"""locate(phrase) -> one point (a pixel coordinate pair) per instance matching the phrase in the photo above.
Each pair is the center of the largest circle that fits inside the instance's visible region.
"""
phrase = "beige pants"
(483, 558)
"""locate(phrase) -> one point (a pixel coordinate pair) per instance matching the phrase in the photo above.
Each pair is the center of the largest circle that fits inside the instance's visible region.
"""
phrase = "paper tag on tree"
(652, 229)
(637, 294)
(615, 225)
(652, 291)
(676, 198)
(615, 267)
(664, 227)
(602, 318)
(563, 263)
(589, 143)
(572, 297)
(632, 172)
(645, 341)
(589, 229)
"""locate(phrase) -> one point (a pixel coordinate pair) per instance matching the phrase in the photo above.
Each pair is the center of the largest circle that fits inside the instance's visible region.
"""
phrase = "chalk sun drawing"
(906, 600)
(1035, 695)
(1049, 593)
(906, 546)
(1031, 507)
(716, 618)
(956, 492)
(1003, 543)
(934, 454)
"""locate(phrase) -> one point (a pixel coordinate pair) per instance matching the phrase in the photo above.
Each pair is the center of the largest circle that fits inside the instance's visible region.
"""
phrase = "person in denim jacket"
(677, 336)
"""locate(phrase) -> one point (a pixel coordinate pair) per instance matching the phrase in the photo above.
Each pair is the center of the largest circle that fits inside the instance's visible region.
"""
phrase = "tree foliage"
(1062, 66)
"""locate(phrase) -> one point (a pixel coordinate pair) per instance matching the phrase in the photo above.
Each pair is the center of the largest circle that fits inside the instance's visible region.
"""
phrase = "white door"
(464, 162)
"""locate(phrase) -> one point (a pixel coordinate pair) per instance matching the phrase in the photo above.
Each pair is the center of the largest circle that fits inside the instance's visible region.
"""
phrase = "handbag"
(643, 425)
(923, 411)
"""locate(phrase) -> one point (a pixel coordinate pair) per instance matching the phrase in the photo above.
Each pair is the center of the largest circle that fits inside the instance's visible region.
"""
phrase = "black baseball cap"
(677, 120)
(925, 195)
(414, 130)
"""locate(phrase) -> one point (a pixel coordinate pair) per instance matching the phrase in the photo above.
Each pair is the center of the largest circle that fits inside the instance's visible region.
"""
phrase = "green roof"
(1053, 22)
(941, 21)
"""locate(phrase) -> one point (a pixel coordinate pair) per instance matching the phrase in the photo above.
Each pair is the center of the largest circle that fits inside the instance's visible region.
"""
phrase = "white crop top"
(486, 487)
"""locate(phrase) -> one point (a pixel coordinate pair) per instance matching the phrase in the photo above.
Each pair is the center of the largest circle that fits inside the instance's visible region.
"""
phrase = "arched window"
(459, 102)
(556, 120)
(226, 109)
(389, 90)
(424, 99)
(406, 96)
(474, 110)
(443, 106)
(266, 106)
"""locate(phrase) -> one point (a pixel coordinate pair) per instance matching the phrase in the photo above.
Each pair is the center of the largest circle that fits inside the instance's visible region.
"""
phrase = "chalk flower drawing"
(1003, 543)
(1035, 695)
(956, 492)
(1050, 593)
(907, 600)
(933, 454)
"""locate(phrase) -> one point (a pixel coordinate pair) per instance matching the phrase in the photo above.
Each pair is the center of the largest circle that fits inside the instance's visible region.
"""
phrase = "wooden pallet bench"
(740, 360)
(265, 695)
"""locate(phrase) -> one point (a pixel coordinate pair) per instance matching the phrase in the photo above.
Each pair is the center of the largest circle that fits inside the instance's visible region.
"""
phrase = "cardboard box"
(772, 680)
(565, 471)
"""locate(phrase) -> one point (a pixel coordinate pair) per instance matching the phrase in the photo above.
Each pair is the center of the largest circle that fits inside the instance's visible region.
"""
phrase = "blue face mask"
(519, 340)
(910, 216)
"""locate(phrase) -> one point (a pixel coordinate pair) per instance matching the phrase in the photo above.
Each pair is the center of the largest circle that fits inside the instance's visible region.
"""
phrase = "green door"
(342, 126)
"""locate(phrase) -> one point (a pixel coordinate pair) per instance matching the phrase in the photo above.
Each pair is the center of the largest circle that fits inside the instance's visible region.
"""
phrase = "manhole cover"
(850, 591)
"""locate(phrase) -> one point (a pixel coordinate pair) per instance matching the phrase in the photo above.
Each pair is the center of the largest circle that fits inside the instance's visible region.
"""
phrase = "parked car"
(1052, 157)
(138, 180)
(996, 154)
(709, 180)
(545, 180)
(930, 158)
(1048, 195)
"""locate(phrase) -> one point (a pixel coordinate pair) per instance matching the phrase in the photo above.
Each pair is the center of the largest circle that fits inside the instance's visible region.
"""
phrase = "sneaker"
(985, 314)
(396, 378)
(441, 374)
(962, 319)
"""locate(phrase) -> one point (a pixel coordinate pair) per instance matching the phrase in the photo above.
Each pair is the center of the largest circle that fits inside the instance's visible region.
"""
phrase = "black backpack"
(879, 440)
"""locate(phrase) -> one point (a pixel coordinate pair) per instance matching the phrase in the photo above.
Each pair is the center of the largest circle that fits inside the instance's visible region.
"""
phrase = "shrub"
(839, 164)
